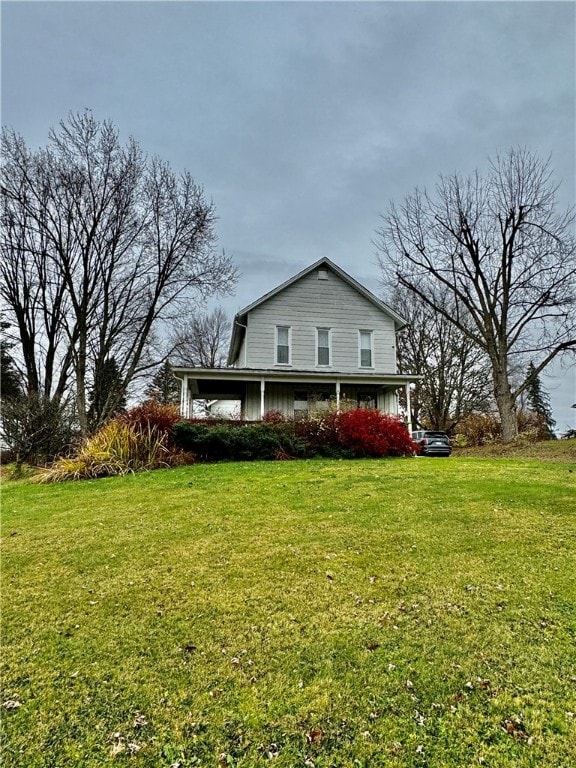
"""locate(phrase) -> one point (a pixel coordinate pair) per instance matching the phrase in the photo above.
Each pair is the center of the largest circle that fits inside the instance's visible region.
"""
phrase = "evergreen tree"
(164, 387)
(9, 379)
(107, 397)
(539, 401)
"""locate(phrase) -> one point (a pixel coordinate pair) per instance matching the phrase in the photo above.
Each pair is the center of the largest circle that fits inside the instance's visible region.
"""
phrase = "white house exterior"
(319, 336)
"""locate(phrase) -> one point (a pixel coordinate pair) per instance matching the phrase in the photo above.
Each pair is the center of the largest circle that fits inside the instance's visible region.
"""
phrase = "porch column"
(184, 397)
(337, 395)
(408, 407)
(262, 390)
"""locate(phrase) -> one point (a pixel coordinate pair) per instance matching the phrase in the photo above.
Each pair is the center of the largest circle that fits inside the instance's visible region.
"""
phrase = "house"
(318, 337)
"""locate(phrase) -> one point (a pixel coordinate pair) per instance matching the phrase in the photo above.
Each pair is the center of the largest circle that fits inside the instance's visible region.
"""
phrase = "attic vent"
(322, 274)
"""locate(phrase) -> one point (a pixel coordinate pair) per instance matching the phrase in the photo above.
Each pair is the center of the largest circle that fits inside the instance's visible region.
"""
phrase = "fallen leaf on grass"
(139, 721)
(516, 729)
(117, 748)
(11, 704)
(315, 736)
(119, 743)
(269, 751)
(188, 648)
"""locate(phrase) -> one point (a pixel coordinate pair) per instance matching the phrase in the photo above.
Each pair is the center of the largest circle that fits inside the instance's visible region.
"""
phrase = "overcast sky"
(303, 120)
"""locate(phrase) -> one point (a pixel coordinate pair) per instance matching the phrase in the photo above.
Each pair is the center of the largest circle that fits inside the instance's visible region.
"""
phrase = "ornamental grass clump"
(116, 449)
(119, 448)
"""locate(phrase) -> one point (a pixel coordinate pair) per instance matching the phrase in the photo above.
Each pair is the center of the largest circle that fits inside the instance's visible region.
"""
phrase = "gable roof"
(239, 324)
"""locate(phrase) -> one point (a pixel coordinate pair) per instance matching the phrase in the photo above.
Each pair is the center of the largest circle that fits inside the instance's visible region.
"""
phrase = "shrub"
(258, 441)
(484, 429)
(349, 434)
(202, 439)
(237, 441)
(371, 433)
(152, 414)
(35, 428)
(274, 417)
(319, 431)
(478, 429)
(533, 426)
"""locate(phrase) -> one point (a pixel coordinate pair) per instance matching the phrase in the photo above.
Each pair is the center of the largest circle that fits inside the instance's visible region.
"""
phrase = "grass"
(397, 613)
(546, 450)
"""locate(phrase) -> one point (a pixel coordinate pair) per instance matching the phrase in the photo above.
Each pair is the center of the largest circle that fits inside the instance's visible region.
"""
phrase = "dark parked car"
(432, 443)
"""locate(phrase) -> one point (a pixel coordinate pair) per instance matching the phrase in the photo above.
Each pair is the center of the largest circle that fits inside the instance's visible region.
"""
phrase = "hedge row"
(356, 433)
(151, 436)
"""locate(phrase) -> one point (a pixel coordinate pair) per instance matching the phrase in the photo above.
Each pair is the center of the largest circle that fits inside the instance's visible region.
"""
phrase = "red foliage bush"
(371, 433)
(152, 414)
(274, 417)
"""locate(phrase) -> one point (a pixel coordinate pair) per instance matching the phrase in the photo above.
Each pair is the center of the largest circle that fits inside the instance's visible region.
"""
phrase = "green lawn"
(410, 612)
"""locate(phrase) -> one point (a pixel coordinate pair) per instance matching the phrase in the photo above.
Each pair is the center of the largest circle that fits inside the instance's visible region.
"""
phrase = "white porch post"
(184, 397)
(408, 406)
(262, 390)
(337, 395)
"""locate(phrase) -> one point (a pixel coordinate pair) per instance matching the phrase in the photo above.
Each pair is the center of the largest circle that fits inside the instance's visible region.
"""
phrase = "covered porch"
(292, 393)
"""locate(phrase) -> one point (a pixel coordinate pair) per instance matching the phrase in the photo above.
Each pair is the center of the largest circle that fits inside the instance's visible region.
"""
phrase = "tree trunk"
(506, 407)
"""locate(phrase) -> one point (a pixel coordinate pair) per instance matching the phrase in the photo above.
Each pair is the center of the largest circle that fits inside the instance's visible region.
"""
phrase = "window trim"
(361, 348)
(276, 345)
(329, 347)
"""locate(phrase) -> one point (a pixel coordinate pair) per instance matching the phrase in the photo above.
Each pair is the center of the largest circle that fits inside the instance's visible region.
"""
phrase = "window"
(367, 400)
(322, 346)
(365, 349)
(283, 345)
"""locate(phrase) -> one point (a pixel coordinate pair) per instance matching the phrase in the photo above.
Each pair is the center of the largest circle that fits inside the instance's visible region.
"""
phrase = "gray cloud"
(303, 120)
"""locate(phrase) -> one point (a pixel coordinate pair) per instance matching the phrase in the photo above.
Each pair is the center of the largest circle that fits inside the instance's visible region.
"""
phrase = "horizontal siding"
(242, 353)
(311, 303)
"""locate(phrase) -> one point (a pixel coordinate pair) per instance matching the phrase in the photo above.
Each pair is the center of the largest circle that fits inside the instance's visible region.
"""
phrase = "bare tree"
(498, 246)
(456, 377)
(202, 340)
(99, 246)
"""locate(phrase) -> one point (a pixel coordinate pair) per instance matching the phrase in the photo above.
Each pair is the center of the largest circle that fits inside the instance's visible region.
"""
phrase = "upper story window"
(366, 352)
(283, 334)
(323, 356)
